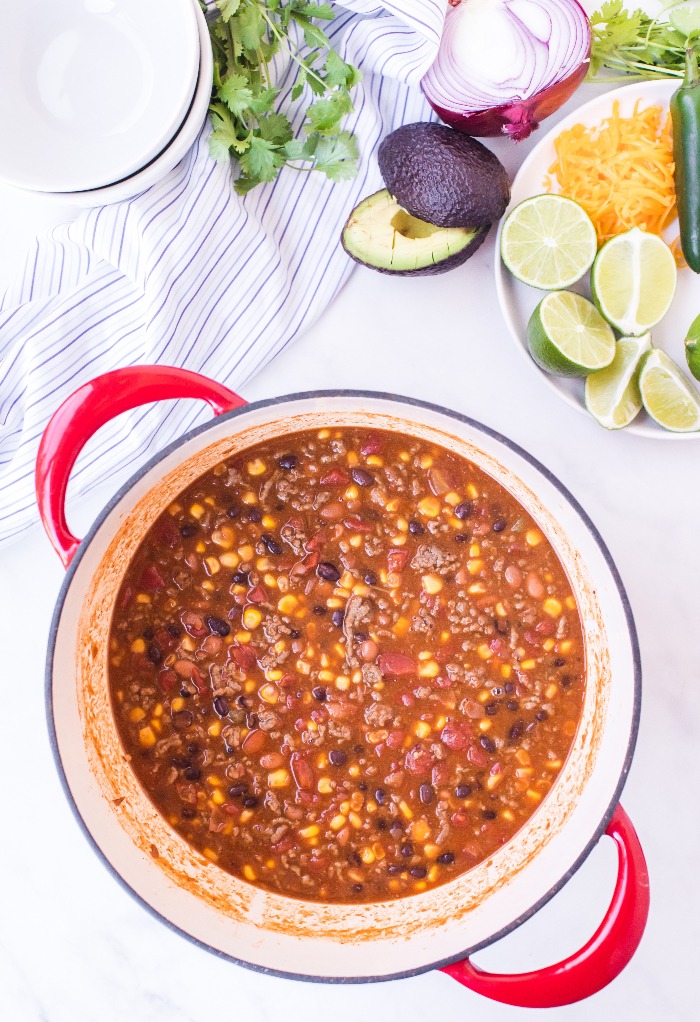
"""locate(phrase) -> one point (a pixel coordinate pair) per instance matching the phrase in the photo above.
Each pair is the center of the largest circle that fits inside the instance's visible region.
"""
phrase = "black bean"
(407, 850)
(194, 749)
(251, 721)
(559, 662)
(188, 813)
(499, 525)
(319, 610)
(153, 653)
(180, 762)
(192, 773)
(358, 750)
(565, 680)
(175, 631)
(255, 515)
(294, 634)
(516, 732)
(240, 578)
(542, 715)
(418, 872)
(396, 828)
(288, 461)
(182, 720)
(370, 578)
(502, 625)
(415, 528)
(273, 547)
(337, 757)
(380, 796)
(250, 801)
(381, 823)
(328, 571)
(320, 694)
(337, 618)
(233, 512)
(362, 477)
(509, 687)
(238, 790)
(220, 706)
(463, 790)
(357, 888)
(491, 709)
(148, 634)
(361, 636)
(244, 702)
(218, 626)
(393, 869)
(464, 510)
(460, 537)
(512, 704)
(446, 858)
(489, 814)
(362, 786)
(488, 743)
(187, 530)
(426, 794)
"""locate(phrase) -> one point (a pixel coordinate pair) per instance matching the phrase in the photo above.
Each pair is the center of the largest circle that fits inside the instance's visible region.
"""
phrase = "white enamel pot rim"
(451, 939)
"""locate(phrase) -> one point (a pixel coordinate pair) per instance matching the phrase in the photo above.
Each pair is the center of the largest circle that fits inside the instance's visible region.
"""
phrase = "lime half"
(549, 242)
(567, 336)
(667, 394)
(612, 395)
(692, 348)
(633, 281)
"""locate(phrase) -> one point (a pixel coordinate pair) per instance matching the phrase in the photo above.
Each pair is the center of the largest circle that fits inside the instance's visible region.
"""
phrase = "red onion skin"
(517, 120)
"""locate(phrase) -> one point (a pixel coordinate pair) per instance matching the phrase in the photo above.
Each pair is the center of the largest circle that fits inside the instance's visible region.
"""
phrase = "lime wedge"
(667, 394)
(612, 395)
(692, 348)
(548, 241)
(633, 281)
(567, 336)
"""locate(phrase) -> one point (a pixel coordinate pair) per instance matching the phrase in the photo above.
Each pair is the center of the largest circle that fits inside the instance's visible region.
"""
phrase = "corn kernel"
(551, 691)
(422, 729)
(474, 550)
(177, 704)
(246, 815)
(552, 607)
(431, 584)
(308, 832)
(404, 456)
(476, 589)
(223, 537)
(493, 780)
(268, 522)
(256, 467)
(278, 779)
(484, 725)
(565, 647)
(246, 551)
(355, 820)
(506, 671)
(527, 665)
(251, 618)
(374, 461)
(326, 786)
(136, 714)
(215, 729)
(425, 461)
(323, 434)
(534, 796)
(507, 815)
(354, 770)
(147, 737)
(485, 651)
(533, 537)
(472, 491)
(570, 602)
(429, 507)
(342, 682)
(210, 854)
(352, 493)
(270, 581)
(553, 764)
(143, 598)
(392, 506)
(138, 646)
(367, 856)
(402, 525)
(218, 798)
(249, 873)
(197, 511)
(523, 756)
(406, 810)
(501, 610)
(474, 566)
(230, 559)
(420, 830)
(548, 645)
(429, 669)
(431, 851)
(452, 498)
(353, 460)
(212, 565)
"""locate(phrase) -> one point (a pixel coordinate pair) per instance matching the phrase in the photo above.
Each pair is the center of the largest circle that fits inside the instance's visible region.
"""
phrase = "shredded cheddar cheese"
(620, 171)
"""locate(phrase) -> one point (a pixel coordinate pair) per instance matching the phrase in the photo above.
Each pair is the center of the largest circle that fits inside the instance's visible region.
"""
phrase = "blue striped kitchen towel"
(188, 273)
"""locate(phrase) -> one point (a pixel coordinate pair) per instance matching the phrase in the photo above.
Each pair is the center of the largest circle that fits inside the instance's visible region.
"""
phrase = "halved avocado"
(381, 234)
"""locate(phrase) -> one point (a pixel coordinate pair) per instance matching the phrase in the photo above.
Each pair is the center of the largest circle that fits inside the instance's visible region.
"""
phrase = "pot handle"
(92, 406)
(600, 960)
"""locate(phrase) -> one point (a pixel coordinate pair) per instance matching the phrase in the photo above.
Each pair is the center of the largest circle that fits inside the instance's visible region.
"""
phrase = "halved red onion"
(503, 65)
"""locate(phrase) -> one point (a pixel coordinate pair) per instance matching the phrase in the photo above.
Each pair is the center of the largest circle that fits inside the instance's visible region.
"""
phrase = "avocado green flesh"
(381, 233)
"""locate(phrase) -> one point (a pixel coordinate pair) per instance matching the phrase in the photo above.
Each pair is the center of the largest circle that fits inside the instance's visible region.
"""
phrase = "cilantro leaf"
(262, 159)
(337, 157)
(228, 8)
(235, 93)
(325, 114)
(275, 128)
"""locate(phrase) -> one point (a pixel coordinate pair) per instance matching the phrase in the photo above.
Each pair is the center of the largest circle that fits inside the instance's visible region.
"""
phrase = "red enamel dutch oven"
(345, 943)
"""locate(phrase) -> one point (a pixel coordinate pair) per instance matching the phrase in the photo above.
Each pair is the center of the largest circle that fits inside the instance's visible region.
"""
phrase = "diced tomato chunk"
(418, 760)
(456, 735)
(372, 445)
(397, 664)
(336, 477)
(151, 579)
(396, 560)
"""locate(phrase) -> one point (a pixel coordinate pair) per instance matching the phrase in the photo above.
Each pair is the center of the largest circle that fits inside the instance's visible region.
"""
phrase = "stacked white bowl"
(99, 99)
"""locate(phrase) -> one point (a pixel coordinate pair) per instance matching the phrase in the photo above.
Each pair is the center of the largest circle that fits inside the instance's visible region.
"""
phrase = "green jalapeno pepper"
(685, 114)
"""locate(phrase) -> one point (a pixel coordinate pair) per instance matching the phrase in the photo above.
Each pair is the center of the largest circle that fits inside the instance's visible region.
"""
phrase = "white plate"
(91, 90)
(517, 300)
(171, 155)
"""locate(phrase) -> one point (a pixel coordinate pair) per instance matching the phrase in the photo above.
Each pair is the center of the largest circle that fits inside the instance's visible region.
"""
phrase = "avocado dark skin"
(444, 177)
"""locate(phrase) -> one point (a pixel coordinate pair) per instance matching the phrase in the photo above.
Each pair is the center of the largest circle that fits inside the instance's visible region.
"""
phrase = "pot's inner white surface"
(301, 937)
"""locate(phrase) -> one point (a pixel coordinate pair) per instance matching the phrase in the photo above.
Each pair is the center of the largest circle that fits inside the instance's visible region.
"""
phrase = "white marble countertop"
(74, 947)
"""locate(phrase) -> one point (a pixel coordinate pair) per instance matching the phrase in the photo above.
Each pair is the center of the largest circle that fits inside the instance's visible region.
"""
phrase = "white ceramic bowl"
(174, 151)
(518, 301)
(91, 90)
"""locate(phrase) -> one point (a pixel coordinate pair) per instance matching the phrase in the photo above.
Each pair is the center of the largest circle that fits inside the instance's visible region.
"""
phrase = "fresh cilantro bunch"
(632, 42)
(245, 36)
